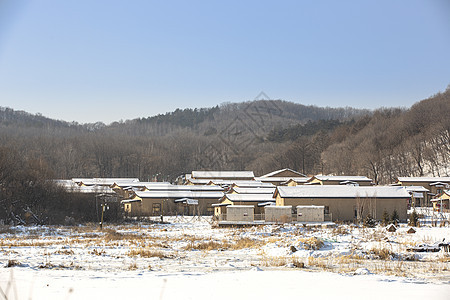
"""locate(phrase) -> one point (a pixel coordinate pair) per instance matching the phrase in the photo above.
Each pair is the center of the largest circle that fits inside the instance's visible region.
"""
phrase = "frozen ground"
(188, 259)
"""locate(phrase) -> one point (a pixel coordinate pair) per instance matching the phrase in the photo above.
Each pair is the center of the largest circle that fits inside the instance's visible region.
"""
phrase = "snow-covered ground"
(190, 259)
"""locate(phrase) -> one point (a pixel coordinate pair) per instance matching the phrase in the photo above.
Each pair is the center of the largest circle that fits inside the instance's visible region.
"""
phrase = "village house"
(281, 176)
(258, 201)
(125, 189)
(164, 202)
(346, 203)
(441, 202)
(418, 196)
(435, 185)
(339, 180)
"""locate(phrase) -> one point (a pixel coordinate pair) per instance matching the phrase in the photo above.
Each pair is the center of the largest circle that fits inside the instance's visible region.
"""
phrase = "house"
(258, 201)
(418, 195)
(441, 202)
(281, 176)
(435, 185)
(125, 189)
(155, 203)
(346, 203)
(339, 180)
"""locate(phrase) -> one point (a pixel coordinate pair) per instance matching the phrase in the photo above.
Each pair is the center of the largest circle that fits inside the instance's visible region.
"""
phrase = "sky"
(110, 60)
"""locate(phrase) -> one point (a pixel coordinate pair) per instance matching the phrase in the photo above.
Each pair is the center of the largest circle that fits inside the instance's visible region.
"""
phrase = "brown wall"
(145, 208)
(344, 209)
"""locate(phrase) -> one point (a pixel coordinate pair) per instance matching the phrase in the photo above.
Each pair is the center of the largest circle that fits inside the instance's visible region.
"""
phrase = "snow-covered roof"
(178, 194)
(268, 203)
(342, 178)
(342, 191)
(173, 187)
(68, 184)
(439, 184)
(424, 179)
(283, 179)
(419, 188)
(255, 190)
(187, 201)
(310, 207)
(222, 174)
(249, 184)
(274, 173)
(105, 181)
(249, 197)
(95, 189)
(143, 184)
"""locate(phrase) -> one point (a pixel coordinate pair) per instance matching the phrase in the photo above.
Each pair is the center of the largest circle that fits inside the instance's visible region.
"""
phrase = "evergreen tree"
(413, 219)
(395, 217)
(385, 217)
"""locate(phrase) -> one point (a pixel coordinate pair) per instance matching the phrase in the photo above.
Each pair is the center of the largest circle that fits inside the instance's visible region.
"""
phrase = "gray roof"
(222, 174)
(342, 191)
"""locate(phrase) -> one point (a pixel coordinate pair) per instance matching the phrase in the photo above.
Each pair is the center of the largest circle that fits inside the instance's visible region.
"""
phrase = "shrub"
(395, 217)
(311, 243)
(413, 219)
(369, 221)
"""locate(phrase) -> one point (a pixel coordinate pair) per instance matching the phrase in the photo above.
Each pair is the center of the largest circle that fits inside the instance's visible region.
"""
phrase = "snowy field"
(190, 259)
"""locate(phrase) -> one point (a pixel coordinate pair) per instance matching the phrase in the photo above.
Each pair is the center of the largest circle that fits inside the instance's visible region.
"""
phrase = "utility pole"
(162, 211)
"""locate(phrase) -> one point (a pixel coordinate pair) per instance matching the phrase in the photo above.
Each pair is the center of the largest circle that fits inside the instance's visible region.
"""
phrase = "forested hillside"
(261, 136)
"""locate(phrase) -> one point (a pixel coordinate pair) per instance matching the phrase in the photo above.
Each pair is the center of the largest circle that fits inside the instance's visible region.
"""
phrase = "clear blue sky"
(92, 60)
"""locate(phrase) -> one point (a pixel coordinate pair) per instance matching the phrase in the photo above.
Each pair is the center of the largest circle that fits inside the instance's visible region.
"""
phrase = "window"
(156, 208)
(326, 210)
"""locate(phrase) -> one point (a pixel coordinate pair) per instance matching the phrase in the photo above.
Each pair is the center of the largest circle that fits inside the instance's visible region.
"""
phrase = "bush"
(369, 221)
(413, 219)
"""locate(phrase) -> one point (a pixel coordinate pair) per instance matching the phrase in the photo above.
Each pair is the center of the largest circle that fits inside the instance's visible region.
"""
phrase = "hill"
(260, 135)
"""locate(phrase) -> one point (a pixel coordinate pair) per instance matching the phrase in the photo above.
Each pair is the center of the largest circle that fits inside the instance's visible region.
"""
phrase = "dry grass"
(243, 243)
(98, 252)
(382, 253)
(147, 253)
(311, 243)
(208, 246)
